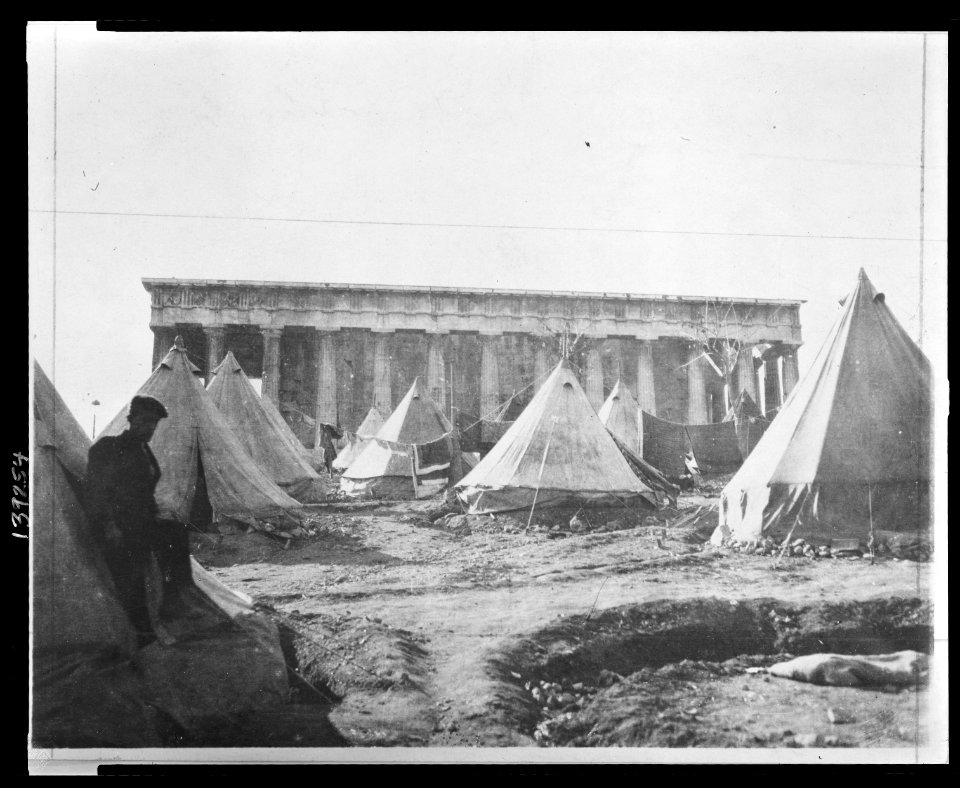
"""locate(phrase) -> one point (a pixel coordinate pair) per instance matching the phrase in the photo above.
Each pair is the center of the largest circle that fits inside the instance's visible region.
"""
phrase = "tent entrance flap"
(201, 512)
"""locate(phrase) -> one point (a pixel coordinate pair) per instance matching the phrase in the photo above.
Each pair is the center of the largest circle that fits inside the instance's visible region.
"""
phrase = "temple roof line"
(149, 283)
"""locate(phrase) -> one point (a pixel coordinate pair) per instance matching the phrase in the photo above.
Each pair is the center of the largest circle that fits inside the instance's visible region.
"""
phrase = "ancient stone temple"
(327, 352)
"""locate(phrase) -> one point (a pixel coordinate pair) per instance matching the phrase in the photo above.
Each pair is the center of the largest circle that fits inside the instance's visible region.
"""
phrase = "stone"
(806, 739)
(839, 716)
(607, 678)
(566, 699)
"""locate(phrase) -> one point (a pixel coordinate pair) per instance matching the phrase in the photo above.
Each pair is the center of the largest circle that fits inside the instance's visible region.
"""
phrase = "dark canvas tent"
(852, 442)
(202, 461)
(494, 427)
(666, 443)
(556, 452)
(263, 432)
(663, 488)
(748, 421)
(620, 413)
(410, 456)
(86, 690)
(357, 441)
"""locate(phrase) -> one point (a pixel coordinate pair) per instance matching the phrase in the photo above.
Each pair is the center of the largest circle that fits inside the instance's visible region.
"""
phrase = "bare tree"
(719, 335)
(567, 334)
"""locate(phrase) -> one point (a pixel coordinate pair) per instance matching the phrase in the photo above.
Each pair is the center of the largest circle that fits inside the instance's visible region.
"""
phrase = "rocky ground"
(416, 626)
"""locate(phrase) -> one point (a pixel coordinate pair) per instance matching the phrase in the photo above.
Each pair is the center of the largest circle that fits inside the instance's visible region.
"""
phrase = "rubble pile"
(909, 548)
(554, 523)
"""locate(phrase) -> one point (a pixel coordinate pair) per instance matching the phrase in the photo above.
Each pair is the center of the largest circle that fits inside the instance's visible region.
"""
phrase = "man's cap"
(142, 404)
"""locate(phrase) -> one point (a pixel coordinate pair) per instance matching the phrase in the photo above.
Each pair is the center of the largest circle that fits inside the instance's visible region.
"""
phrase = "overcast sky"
(757, 165)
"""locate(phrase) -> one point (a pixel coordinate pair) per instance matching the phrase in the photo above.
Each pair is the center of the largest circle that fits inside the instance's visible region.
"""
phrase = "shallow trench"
(695, 635)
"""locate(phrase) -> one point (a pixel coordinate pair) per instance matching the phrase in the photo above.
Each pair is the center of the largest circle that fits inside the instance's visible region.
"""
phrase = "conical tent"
(195, 442)
(620, 413)
(850, 446)
(64, 559)
(556, 452)
(259, 427)
(410, 455)
(368, 428)
(86, 690)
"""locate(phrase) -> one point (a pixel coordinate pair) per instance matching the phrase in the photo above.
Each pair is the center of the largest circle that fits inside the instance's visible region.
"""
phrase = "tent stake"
(786, 542)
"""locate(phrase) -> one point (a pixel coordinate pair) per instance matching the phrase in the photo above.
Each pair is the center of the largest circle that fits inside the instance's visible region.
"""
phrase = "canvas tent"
(850, 446)
(495, 427)
(206, 474)
(410, 456)
(620, 413)
(664, 490)
(87, 692)
(714, 447)
(556, 452)
(748, 421)
(356, 442)
(263, 432)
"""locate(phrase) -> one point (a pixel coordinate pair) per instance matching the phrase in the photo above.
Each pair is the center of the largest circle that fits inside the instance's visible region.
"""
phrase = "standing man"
(122, 475)
(326, 434)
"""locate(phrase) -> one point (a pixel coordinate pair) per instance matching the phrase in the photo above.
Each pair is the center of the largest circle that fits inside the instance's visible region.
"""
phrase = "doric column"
(747, 374)
(774, 389)
(541, 362)
(489, 376)
(791, 370)
(382, 373)
(646, 390)
(696, 390)
(325, 405)
(436, 371)
(270, 380)
(163, 337)
(215, 353)
(594, 376)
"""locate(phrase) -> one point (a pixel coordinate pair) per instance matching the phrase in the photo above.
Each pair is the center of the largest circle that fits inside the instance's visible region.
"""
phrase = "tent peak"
(178, 343)
(229, 364)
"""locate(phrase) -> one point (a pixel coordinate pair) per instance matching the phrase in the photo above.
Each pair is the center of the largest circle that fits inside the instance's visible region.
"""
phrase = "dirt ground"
(415, 633)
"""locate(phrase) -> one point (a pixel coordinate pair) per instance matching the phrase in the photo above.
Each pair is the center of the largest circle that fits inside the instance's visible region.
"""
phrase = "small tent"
(850, 448)
(494, 427)
(410, 456)
(87, 691)
(206, 474)
(749, 422)
(358, 440)
(620, 414)
(556, 452)
(264, 433)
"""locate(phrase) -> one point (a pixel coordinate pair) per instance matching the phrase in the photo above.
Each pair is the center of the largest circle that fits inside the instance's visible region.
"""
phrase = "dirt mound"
(669, 674)
(337, 654)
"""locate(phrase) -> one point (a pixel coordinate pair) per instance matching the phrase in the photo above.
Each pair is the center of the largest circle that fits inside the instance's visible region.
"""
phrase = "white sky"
(760, 165)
